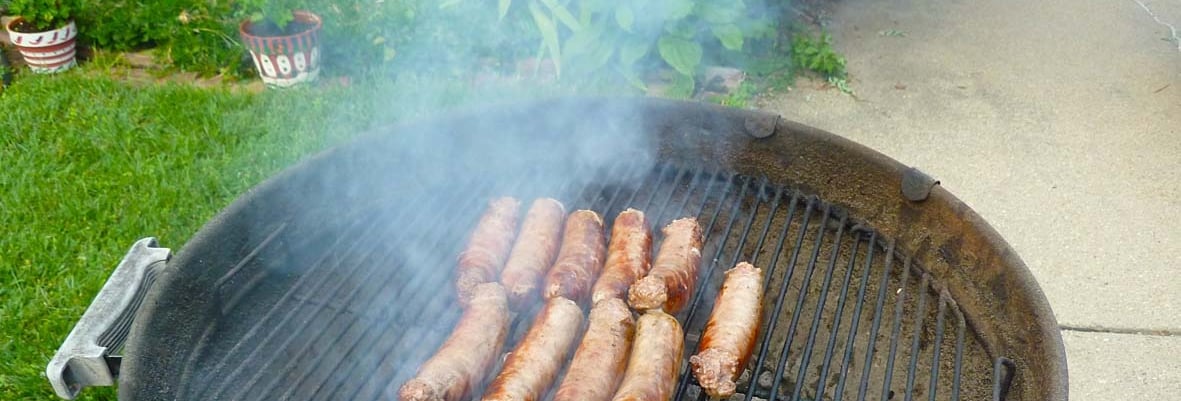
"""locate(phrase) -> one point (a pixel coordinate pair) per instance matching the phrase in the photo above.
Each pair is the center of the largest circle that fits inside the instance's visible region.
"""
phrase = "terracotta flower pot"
(46, 52)
(285, 60)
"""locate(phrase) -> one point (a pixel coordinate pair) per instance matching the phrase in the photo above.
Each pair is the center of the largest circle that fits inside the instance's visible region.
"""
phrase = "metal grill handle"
(84, 358)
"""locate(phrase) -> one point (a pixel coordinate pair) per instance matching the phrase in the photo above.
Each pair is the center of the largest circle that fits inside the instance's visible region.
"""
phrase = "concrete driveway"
(1059, 121)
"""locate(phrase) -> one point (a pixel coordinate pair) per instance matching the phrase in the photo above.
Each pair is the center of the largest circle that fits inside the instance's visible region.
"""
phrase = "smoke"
(465, 109)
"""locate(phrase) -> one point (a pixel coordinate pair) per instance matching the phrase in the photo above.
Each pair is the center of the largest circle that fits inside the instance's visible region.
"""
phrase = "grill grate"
(846, 317)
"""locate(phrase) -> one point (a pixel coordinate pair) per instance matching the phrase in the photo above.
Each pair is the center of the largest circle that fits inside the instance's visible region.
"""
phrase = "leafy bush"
(592, 36)
(44, 15)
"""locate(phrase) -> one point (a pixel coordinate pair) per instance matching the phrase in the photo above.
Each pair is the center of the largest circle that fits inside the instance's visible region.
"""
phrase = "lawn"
(91, 164)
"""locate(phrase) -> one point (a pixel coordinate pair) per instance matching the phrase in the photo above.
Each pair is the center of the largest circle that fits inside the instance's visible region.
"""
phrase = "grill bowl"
(330, 280)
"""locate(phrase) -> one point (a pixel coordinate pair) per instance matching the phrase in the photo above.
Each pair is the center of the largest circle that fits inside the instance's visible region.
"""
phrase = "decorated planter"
(45, 52)
(283, 60)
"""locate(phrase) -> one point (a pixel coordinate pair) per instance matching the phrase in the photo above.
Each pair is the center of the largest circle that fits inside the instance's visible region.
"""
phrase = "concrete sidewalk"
(1059, 121)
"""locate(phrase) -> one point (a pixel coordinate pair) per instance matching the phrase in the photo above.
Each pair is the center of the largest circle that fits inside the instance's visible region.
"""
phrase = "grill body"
(332, 280)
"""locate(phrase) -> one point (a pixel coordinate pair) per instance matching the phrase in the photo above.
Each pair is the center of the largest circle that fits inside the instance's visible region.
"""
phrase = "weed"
(816, 54)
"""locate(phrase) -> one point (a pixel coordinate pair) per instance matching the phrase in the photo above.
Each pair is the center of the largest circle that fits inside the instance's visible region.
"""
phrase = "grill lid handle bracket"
(84, 358)
(916, 185)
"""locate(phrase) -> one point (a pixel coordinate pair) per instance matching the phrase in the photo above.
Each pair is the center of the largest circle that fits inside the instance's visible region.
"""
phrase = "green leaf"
(629, 74)
(633, 50)
(720, 12)
(563, 14)
(681, 54)
(677, 9)
(730, 36)
(624, 17)
(502, 8)
(549, 35)
(682, 29)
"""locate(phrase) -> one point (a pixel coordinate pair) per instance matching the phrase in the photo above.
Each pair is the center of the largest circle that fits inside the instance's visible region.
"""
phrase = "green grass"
(90, 165)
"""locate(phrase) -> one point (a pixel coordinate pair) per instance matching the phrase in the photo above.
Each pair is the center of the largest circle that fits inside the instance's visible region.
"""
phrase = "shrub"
(589, 37)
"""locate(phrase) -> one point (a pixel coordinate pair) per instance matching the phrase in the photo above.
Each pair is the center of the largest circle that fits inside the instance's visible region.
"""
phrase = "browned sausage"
(598, 365)
(487, 248)
(673, 278)
(462, 362)
(534, 251)
(580, 260)
(628, 256)
(731, 332)
(532, 367)
(655, 360)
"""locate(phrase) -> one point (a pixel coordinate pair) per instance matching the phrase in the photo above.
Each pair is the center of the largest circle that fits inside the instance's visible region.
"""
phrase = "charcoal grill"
(332, 279)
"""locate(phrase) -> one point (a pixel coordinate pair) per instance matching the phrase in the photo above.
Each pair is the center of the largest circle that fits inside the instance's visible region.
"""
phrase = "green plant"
(739, 98)
(44, 15)
(816, 54)
(276, 13)
(593, 36)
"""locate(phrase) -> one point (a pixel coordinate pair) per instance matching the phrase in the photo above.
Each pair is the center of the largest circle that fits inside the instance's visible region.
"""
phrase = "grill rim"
(737, 138)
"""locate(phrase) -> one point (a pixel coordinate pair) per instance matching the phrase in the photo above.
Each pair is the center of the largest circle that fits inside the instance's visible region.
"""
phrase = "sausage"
(628, 256)
(673, 278)
(598, 365)
(487, 248)
(655, 360)
(731, 332)
(580, 259)
(532, 367)
(534, 251)
(462, 362)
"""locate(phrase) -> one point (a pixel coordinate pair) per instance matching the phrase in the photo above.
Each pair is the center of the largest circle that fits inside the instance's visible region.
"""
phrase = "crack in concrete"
(1172, 29)
(1121, 330)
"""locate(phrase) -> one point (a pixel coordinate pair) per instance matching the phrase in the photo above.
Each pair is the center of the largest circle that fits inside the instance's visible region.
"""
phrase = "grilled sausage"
(487, 248)
(673, 278)
(534, 252)
(532, 367)
(731, 332)
(628, 256)
(598, 365)
(580, 259)
(462, 362)
(655, 360)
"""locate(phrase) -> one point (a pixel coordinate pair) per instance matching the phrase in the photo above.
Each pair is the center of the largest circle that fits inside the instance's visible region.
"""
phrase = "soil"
(24, 26)
(267, 28)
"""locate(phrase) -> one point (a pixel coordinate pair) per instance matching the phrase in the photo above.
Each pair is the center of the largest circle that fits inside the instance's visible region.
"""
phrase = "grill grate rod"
(879, 308)
(919, 317)
(898, 311)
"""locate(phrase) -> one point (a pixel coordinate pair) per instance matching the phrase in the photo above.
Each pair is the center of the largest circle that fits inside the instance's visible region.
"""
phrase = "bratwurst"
(730, 334)
(628, 256)
(534, 252)
(533, 365)
(462, 362)
(487, 248)
(673, 278)
(598, 365)
(655, 359)
(580, 260)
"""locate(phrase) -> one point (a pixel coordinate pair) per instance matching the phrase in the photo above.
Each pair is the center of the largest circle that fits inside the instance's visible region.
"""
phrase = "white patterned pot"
(46, 52)
(284, 61)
